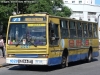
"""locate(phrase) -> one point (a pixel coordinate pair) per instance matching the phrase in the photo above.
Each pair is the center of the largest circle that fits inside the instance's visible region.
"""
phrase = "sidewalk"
(2, 60)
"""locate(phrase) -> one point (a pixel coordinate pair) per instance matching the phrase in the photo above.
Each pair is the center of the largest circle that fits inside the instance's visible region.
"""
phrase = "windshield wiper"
(29, 39)
(19, 41)
(32, 43)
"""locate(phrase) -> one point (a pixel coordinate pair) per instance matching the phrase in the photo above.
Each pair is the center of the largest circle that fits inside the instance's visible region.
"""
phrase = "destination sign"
(28, 19)
(33, 19)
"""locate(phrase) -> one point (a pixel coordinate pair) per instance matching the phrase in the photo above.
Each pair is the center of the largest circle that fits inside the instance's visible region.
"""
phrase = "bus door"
(54, 39)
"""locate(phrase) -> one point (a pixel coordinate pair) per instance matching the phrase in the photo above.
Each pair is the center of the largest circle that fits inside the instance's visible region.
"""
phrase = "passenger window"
(85, 32)
(79, 29)
(95, 30)
(56, 30)
(90, 29)
(72, 29)
(64, 29)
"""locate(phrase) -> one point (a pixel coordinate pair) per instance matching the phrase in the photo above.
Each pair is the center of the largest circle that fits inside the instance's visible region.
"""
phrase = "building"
(83, 9)
(92, 2)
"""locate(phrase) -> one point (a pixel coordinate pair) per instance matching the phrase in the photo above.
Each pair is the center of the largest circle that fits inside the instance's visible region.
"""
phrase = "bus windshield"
(27, 34)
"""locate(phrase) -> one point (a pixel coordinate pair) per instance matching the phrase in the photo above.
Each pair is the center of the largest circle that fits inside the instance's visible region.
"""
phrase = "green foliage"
(5, 12)
(65, 12)
(40, 6)
(49, 6)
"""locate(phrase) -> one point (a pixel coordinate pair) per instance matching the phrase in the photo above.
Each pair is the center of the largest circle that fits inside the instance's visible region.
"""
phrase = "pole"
(17, 6)
(53, 8)
(99, 27)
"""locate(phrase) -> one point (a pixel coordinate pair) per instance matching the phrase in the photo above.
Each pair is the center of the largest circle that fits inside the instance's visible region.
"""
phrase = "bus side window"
(95, 30)
(64, 29)
(90, 29)
(72, 29)
(79, 29)
(85, 32)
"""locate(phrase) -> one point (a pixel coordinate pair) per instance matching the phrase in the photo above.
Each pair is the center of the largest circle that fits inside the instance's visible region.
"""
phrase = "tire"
(28, 66)
(64, 62)
(89, 56)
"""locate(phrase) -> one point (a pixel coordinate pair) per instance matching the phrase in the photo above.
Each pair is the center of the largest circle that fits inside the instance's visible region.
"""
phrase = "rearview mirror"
(53, 38)
(52, 25)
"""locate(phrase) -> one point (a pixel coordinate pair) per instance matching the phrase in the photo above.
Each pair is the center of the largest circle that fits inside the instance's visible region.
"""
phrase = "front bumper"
(27, 61)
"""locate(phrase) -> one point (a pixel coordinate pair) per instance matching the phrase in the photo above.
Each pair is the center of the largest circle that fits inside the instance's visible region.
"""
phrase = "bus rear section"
(27, 40)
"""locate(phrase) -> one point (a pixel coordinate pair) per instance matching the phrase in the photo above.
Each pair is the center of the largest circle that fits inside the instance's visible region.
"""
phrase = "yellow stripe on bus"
(36, 25)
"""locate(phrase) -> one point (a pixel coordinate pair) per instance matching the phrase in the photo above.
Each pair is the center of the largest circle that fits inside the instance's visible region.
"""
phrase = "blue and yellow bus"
(43, 39)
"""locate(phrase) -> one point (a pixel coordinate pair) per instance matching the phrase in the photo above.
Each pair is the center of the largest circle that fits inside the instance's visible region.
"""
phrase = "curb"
(0, 65)
(4, 65)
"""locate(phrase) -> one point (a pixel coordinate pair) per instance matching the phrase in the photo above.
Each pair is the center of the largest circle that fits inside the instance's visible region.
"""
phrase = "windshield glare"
(27, 34)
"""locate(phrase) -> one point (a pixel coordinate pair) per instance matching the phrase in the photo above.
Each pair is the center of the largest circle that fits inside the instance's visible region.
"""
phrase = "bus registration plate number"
(25, 61)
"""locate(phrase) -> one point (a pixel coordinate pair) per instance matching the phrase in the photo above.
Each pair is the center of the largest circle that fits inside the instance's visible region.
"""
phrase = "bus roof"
(44, 14)
(36, 14)
(67, 18)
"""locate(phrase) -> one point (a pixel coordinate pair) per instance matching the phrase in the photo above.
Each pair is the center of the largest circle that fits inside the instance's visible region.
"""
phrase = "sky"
(97, 2)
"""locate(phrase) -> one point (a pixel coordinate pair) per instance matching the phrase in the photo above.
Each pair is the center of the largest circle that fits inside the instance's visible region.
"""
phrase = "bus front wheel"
(89, 56)
(64, 62)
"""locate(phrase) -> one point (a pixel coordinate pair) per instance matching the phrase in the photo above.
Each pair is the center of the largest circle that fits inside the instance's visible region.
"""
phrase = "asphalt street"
(76, 68)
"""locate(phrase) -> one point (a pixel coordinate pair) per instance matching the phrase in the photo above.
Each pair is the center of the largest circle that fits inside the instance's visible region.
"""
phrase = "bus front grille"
(40, 51)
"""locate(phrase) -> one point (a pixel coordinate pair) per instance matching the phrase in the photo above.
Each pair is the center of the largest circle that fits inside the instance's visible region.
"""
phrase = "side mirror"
(53, 38)
(52, 25)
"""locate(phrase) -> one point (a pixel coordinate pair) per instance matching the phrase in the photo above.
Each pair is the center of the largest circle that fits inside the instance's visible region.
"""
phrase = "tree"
(40, 6)
(50, 6)
(65, 12)
(5, 11)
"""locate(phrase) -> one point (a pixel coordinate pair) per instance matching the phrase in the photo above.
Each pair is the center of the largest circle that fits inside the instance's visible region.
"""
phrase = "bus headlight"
(10, 55)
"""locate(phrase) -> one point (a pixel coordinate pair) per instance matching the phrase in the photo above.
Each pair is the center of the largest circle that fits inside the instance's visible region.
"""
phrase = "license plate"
(14, 61)
(25, 61)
